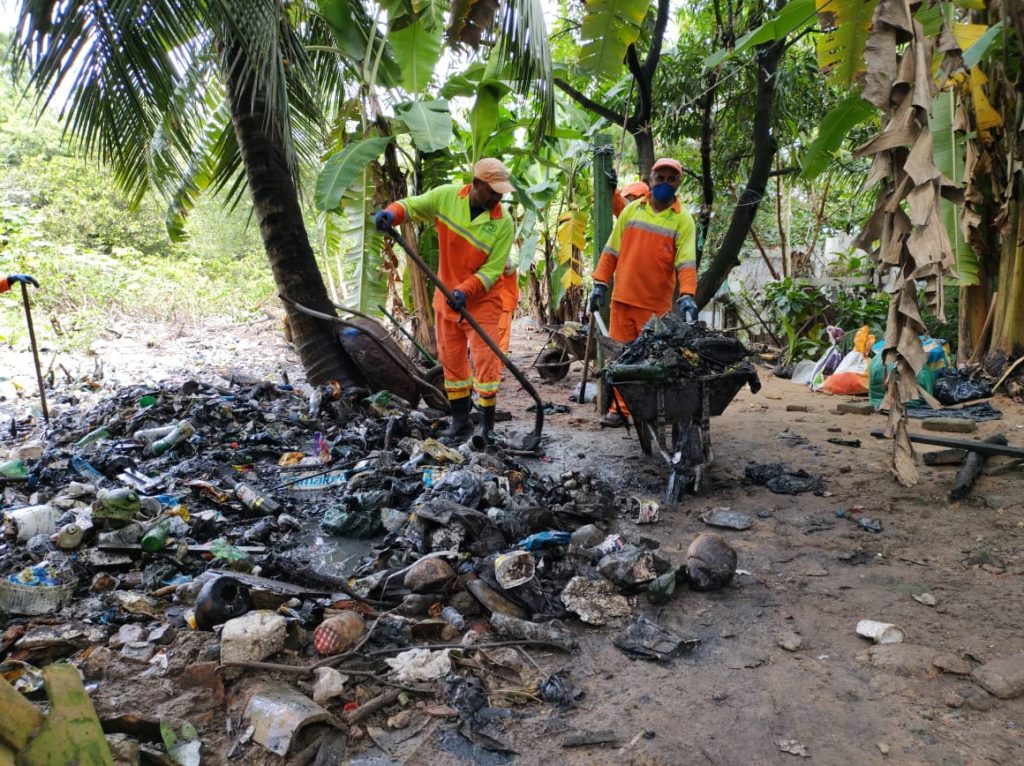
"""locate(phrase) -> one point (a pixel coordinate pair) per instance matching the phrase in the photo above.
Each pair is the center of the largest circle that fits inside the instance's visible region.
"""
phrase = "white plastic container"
(32, 520)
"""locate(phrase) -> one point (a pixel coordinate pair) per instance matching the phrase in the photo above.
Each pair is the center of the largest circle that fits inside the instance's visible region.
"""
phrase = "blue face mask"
(663, 192)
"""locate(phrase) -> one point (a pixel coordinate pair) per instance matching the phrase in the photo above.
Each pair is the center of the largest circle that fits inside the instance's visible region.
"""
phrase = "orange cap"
(667, 162)
(636, 189)
(493, 173)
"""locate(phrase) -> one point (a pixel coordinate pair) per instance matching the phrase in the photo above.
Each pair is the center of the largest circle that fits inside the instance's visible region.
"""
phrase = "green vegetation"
(63, 220)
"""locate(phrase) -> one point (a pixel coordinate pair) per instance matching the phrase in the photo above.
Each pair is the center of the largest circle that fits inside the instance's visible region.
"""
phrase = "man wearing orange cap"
(475, 238)
(652, 246)
(631, 193)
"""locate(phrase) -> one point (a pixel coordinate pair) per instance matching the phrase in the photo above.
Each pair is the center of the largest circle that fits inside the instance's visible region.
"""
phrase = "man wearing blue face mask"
(652, 246)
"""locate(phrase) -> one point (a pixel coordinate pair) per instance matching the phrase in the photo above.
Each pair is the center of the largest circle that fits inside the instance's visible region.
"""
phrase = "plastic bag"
(803, 371)
(863, 341)
(876, 381)
(829, 362)
(847, 383)
(855, 361)
(954, 387)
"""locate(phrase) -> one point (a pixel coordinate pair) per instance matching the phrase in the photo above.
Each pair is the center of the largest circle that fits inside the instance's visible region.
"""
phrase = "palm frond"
(524, 47)
(114, 60)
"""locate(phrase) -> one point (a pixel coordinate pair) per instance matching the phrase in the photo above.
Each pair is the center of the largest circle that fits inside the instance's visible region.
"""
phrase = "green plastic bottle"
(93, 436)
(14, 469)
(156, 538)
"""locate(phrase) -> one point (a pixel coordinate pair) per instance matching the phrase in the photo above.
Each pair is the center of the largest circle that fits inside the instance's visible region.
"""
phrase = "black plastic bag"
(954, 387)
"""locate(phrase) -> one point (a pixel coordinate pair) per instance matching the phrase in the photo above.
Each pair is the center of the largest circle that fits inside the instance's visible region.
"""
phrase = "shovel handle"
(516, 373)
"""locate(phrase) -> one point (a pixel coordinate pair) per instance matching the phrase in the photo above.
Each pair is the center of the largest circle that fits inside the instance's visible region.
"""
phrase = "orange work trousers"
(453, 338)
(504, 331)
(625, 324)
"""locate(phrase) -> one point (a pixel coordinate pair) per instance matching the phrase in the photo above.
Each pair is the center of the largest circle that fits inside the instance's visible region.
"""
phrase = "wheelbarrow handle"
(527, 386)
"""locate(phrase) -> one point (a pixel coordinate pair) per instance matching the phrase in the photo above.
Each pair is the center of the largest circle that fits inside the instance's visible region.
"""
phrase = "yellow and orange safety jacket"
(646, 252)
(473, 252)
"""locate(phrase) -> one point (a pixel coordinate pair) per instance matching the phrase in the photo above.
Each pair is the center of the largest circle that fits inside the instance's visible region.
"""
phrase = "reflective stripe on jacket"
(473, 252)
(646, 252)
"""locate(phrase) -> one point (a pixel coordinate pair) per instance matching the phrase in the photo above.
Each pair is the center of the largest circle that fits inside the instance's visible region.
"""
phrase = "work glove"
(613, 177)
(458, 300)
(687, 308)
(597, 296)
(24, 279)
(384, 220)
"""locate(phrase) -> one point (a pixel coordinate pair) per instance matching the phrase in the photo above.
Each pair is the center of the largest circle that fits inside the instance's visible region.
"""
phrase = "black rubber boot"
(487, 424)
(459, 425)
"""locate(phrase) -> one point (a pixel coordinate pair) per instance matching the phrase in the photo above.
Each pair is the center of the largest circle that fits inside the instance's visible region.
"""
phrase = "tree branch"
(590, 104)
(642, 111)
(783, 171)
(657, 35)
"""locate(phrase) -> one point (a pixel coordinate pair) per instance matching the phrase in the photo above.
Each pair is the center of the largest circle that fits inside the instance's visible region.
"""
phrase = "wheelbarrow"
(674, 417)
(566, 343)
(380, 360)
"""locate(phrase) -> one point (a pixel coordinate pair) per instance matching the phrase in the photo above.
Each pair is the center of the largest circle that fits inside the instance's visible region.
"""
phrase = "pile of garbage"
(157, 515)
(669, 347)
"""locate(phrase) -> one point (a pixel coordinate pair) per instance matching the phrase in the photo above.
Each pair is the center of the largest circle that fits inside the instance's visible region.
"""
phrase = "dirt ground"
(808, 576)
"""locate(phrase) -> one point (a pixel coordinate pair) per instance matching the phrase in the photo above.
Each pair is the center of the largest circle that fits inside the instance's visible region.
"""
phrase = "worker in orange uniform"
(652, 246)
(631, 193)
(475, 238)
(508, 285)
(6, 283)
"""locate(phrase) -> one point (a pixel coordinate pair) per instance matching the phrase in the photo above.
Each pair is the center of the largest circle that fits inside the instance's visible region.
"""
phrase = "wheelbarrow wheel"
(434, 396)
(553, 364)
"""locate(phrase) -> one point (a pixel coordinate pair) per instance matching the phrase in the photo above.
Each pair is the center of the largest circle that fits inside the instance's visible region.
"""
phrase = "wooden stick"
(366, 710)
(35, 352)
(1007, 374)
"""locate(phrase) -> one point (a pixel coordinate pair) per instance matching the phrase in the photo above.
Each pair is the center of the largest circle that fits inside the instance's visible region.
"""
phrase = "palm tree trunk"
(276, 204)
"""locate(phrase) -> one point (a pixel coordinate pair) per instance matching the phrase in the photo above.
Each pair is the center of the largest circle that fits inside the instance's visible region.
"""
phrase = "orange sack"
(848, 383)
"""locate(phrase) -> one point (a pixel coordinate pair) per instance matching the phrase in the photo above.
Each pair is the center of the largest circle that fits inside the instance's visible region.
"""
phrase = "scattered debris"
(793, 747)
(727, 518)
(645, 640)
(781, 480)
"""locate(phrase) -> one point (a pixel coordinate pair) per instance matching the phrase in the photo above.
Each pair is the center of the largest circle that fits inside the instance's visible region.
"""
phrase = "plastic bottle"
(14, 469)
(183, 431)
(513, 627)
(85, 469)
(94, 435)
(254, 501)
(156, 538)
(149, 435)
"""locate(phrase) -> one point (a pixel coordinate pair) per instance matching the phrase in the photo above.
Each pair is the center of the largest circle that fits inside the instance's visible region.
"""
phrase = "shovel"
(530, 441)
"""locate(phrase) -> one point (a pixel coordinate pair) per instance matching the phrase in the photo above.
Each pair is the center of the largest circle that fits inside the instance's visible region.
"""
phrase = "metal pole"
(35, 352)
(602, 163)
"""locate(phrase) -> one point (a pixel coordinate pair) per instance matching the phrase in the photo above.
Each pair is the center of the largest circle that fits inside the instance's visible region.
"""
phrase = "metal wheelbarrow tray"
(566, 343)
(686, 406)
